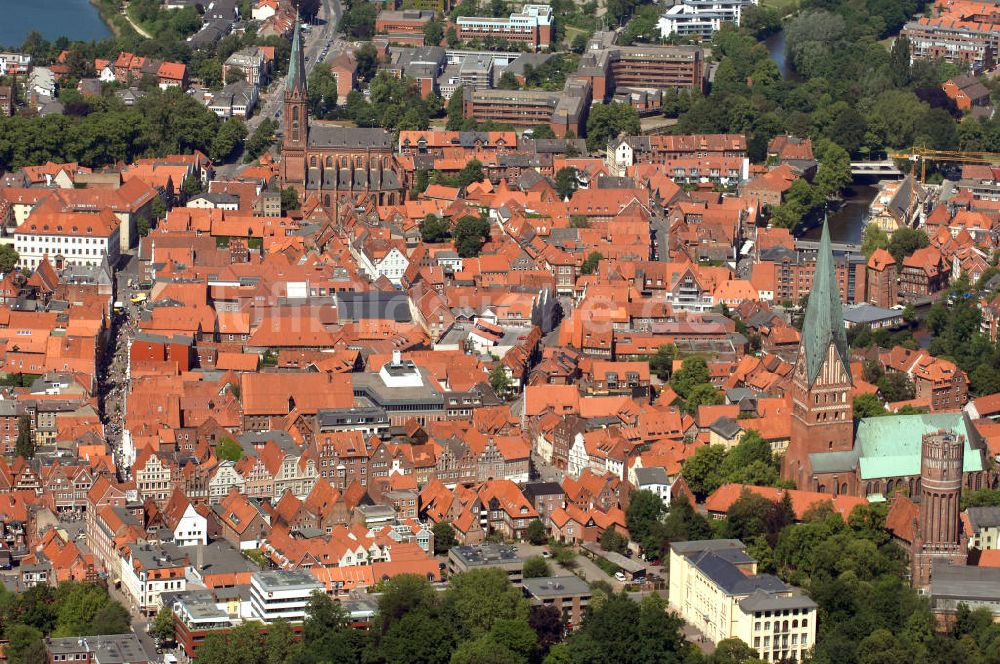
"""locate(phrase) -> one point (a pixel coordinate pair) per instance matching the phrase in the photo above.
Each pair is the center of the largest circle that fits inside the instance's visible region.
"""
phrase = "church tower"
(822, 412)
(939, 534)
(296, 138)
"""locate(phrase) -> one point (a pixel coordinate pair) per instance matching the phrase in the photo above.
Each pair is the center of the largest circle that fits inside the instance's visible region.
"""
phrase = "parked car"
(620, 577)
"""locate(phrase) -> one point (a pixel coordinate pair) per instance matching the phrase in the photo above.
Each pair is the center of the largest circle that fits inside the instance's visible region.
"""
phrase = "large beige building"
(715, 587)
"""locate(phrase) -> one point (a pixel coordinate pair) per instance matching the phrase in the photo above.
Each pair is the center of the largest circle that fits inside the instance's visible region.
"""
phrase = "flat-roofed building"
(532, 25)
(105, 649)
(952, 585)
(282, 594)
(569, 594)
(483, 556)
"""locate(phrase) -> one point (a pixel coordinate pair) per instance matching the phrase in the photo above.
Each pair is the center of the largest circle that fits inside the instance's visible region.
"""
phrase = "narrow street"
(322, 39)
(113, 373)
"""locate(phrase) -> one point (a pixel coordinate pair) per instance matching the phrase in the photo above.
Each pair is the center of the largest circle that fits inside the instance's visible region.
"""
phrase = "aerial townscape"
(485, 332)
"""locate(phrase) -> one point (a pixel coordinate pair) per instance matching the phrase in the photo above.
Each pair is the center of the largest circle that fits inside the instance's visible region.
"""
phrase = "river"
(847, 223)
(77, 20)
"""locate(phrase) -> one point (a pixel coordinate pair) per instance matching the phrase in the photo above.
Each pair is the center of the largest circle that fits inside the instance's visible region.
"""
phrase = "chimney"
(200, 557)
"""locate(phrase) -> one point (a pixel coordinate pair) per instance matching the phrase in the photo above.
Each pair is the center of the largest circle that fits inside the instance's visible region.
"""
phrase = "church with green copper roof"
(828, 450)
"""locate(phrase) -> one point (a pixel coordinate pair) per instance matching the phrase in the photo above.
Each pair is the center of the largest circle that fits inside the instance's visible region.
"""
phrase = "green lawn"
(784, 6)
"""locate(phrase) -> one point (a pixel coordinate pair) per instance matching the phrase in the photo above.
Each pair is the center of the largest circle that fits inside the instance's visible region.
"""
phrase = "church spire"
(296, 80)
(824, 321)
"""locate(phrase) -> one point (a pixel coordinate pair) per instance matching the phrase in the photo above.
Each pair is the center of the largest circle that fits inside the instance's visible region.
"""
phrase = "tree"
(867, 405)
(366, 62)
(289, 200)
(545, 131)
(229, 140)
(433, 33)
(8, 258)
(261, 140)
(905, 241)
(477, 599)
(612, 540)
(508, 81)
(834, 172)
(704, 394)
(535, 534)
(444, 538)
(873, 238)
(85, 609)
(419, 637)
(434, 229)
(25, 445)
(471, 172)
(229, 450)
(162, 627)
(451, 37)
(307, 8)
(535, 567)
(24, 645)
(322, 93)
(499, 380)
(359, 20)
(579, 221)
(484, 650)
(456, 110)
(606, 121)
(645, 509)
(566, 182)
(734, 651)
(547, 623)
(327, 628)
(693, 372)
(590, 263)
(662, 363)
(470, 235)
(234, 74)
(896, 386)
(899, 62)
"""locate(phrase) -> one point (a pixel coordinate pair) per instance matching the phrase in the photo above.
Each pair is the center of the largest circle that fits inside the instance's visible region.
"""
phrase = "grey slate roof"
(725, 427)
(330, 136)
(984, 517)
(731, 580)
(762, 601)
(654, 475)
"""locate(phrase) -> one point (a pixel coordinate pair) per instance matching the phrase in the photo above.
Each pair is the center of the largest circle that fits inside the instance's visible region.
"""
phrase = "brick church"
(337, 164)
(874, 457)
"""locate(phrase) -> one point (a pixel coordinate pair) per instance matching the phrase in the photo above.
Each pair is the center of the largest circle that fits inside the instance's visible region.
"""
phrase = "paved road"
(323, 35)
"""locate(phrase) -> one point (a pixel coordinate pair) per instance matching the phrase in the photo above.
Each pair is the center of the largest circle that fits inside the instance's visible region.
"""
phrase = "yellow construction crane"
(915, 154)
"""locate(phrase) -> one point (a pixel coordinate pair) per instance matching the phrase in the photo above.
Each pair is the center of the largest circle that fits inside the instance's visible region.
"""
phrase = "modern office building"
(283, 594)
(532, 26)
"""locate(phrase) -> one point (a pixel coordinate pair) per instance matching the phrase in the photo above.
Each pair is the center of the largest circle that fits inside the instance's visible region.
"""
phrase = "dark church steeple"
(296, 79)
(822, 409)
(296, 97)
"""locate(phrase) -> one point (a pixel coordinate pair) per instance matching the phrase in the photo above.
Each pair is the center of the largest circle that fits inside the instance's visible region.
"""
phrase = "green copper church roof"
(296, 78)
(890, 446)
(824, 321)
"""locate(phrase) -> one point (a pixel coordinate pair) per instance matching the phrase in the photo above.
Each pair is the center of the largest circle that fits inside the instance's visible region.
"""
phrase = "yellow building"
(715, 587)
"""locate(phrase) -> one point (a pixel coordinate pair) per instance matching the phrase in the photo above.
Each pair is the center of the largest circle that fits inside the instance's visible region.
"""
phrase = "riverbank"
(110, 13)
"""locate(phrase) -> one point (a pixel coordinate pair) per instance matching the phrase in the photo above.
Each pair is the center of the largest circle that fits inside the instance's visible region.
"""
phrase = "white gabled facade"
(192, 529)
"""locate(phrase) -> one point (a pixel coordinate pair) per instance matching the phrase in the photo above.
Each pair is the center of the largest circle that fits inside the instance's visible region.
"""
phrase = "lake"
(76, 19)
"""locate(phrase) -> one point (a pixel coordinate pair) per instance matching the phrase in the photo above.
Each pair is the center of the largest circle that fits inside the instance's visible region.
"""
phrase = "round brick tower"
(939, 530)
